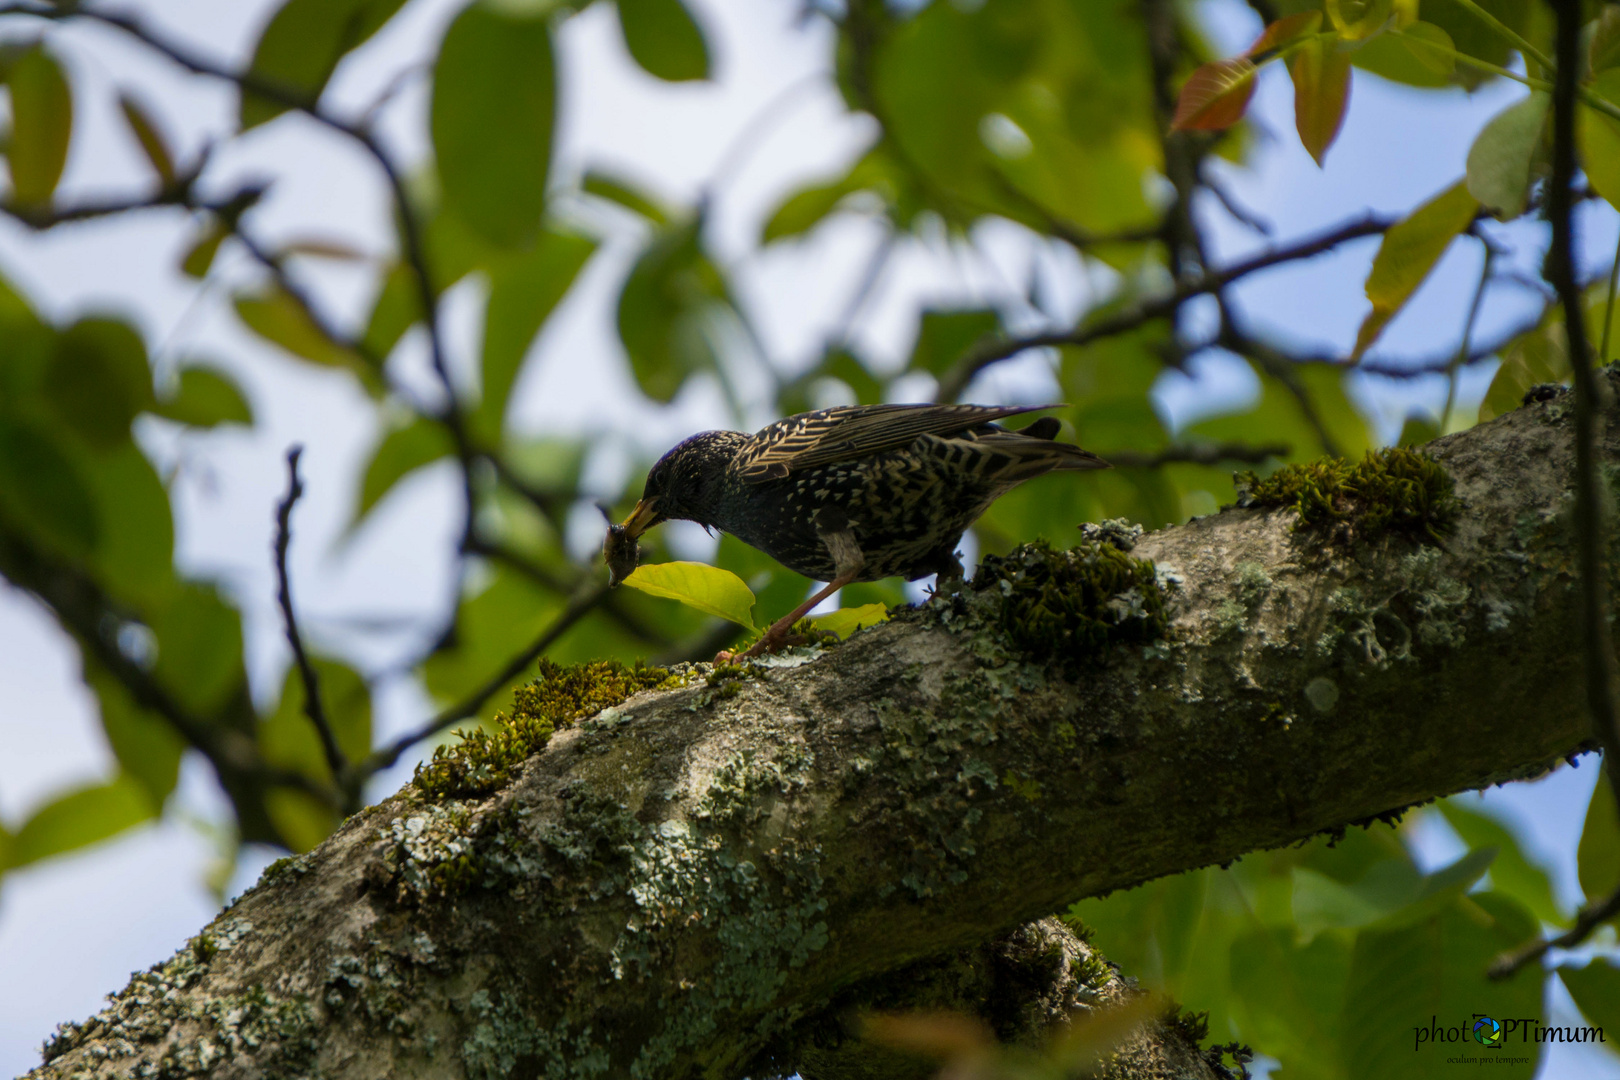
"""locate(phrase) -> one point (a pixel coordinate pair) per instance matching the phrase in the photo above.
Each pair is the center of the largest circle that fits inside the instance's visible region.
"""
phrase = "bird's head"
(686, 483)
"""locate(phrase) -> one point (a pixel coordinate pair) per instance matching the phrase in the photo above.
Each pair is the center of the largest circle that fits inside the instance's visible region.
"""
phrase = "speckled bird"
(854, 493)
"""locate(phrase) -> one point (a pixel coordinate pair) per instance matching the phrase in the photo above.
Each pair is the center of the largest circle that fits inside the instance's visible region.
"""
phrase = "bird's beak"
(642, 518)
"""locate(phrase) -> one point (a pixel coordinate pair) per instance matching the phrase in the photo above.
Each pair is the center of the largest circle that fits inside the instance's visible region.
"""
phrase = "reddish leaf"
(1215, 96)
(1285, 31)
(1321, 74)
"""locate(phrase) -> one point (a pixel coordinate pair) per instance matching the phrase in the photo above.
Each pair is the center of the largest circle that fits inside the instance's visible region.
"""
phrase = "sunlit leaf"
(1596, 990)
(1422, 55)
(494, 99)
(1215, 96)
(845, 621)
(151, 140)
(1357, 20)
(1409, 251)
(664, 39)
(1603, 49)
(1597, 859)
(1285, 31)
(401, 452)
(41, 126)
(1538, 356)
(709, 589)
(1500, 160)
(204, 397)
(1432, 47)
(301, 46)
(80, 818)
(1321, 74)
(1598, 137)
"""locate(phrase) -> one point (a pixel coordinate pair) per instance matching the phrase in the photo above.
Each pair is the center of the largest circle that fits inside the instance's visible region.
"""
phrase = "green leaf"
(846, 367)
(1513, 872)
(302, 44)
(1597, 859)
(43, 489)
(199, 647)
(151, 140)
(664, 39)
(1409, 251)
(396, 308)
(147, 747)
(135, 560)
(200, 256)
(280, 318)
(1499, 162)
(80, 818)
(99, 381)
(1321, 74)
(1534, 357)
(1596, 990)
(1598, 137)
(1392, 893)
(522, 295)
(625, 194)
(845, 621)
(1603, 50)
(668, 309)
(205, 397)
(709, 589)
(1287, 998)
(944, 336)
(401, 452)
(288, 740)
(41, 126)
(494, 99)
(803, 210)
(1419, 56)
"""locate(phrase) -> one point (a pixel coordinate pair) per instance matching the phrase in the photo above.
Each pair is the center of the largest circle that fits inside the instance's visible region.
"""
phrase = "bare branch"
(313, 708)
(1199, 454)
(1587, 920)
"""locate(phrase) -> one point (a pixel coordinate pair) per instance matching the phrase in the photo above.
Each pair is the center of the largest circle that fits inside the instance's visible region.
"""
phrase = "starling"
(854, 493)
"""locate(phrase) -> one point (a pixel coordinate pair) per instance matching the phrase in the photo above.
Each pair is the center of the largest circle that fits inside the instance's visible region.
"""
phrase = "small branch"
(977, 359)
(1239, 212)
(313, 708)
(1586, 920)
(580, 606)
(1199, 454)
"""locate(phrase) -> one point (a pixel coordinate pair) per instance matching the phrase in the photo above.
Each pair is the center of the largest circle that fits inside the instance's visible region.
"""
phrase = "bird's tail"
(1034, 454)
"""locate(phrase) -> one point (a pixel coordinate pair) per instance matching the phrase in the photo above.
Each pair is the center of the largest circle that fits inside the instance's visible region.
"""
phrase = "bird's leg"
(848, 561)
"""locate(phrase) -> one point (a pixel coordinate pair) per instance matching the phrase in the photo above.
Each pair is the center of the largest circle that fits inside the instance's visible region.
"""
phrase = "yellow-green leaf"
(400, 453)
(1597, 858)
(664, 39)
(1499, 161)
(1603, 52)
(280, 317)
(80, 818)
(41, 126)
(845, 621)
(709, 589)
(1432, 47)
(146, 132)
(301, 45)
(1321, 74)
(1407, 255)
(1358, 20)
(1215, 96)
(1598, 137)
(1285, 31)
(200, 256)
(205, 398)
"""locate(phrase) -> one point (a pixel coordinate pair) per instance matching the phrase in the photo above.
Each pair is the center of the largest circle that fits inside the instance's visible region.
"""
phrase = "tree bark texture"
(696, 882)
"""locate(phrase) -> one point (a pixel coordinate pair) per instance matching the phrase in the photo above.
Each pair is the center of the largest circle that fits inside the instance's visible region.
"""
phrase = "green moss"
(1393, 490)
(1067, 605)
(483, 760)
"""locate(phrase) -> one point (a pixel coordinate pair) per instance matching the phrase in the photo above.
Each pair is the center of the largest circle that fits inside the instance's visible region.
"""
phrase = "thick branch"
(690, 881)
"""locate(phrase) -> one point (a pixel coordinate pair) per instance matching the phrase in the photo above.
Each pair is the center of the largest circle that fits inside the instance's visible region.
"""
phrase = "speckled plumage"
(904, 480)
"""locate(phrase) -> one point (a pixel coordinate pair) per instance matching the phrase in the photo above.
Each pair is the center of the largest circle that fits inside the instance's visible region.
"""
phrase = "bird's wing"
(858, 431)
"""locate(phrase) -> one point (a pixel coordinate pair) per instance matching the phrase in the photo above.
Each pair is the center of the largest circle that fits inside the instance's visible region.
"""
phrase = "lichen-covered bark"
(690, 880)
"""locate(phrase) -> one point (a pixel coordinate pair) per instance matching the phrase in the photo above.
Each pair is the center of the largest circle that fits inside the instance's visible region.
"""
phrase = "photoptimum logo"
(1494, 1034)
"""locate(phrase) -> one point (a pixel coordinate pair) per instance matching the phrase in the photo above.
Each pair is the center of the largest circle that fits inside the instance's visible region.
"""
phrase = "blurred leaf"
(401, 452)
(1285, 31)
(522, 296)
(1357, 20)
(1598, 137)
(1391, 894)
(151, 140)
(41, 126)
(300, 48)
(199, 647)
(1321, 74)
(1215, 96)
(99, 381)
(281, 318)
(205, 397)
(494, 99)
(147, 747)
(1403, 977)
(1499, 162)
(43, 490)
(1603, 49)
(493, 624)
(846, 367)
(845, 621)
(803, 210)
(1288, 998)
(135, 560)
(200, 256)
(80, 818)
(943, 336)
(1533, 358)
(316, 247)
(1409, 251)
(1598, 857)
(664, 39)
(1596, 990)
(287, 737)
(1513, 873)
(1420, 56)
(397, 307)
(1418, 429)
(626, 194)
(667, 311)
(709, 589)
(1472, 36)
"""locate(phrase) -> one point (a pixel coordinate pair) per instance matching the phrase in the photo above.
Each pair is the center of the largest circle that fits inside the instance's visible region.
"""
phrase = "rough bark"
(695, 882)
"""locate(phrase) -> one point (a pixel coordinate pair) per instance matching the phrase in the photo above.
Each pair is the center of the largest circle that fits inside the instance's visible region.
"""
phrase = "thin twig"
(1467, 335)
(313, 708)
(1240, 213)
(580, 606)
(1586, 920)
(983, 356)
(1199, 454)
